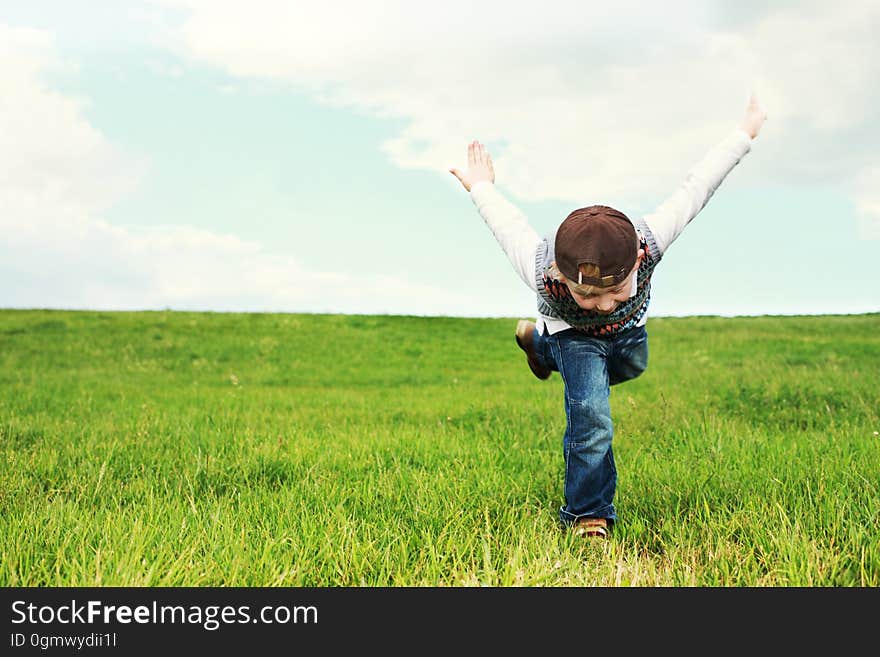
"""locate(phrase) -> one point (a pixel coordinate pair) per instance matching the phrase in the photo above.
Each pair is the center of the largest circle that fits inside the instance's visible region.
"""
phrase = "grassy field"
(186, 449)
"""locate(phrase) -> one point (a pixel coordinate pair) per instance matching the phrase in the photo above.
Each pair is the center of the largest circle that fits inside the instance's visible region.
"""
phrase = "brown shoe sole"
(591, 528)
(539, 371)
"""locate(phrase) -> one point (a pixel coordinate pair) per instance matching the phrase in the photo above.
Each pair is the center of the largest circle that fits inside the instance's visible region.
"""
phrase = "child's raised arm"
(507, 222)
(670, 218)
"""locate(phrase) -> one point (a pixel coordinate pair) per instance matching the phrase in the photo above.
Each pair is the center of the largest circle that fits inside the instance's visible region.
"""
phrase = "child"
(592, 276)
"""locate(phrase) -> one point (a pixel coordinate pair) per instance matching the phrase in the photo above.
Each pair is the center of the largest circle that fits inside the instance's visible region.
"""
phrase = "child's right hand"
(479, 167)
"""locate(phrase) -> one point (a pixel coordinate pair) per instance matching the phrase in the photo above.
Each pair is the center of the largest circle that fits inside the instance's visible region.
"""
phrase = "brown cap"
(596, 235)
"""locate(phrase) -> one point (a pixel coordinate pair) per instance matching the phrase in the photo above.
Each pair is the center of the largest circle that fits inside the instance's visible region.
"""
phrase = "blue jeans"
(588, 367)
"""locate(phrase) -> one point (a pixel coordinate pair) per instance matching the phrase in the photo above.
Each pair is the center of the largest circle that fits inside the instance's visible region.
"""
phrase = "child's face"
(604, 299)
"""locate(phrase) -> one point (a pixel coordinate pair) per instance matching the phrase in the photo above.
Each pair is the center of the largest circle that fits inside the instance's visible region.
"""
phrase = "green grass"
(188, 449)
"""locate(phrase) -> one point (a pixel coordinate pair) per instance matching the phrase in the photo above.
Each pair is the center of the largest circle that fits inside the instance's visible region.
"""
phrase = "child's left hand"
(479, 167)
(754, 118)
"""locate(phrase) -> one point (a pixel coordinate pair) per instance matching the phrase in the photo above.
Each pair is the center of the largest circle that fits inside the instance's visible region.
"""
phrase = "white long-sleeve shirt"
(520, 241)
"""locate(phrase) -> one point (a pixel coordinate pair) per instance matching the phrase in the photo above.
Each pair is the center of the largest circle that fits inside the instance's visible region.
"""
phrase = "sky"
(274, 156)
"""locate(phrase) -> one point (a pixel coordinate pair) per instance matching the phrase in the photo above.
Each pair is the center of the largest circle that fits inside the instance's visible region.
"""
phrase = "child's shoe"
(525, 331)
(591, 528)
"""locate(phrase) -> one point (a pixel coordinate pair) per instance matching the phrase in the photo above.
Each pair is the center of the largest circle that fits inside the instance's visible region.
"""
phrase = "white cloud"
(49, 156)
(58, 174)
(575, 100)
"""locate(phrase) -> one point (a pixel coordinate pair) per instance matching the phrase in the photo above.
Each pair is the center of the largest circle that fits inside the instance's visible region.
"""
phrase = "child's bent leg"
(628, 356)
(543, 351)
(590, 473)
